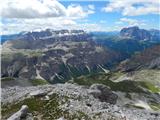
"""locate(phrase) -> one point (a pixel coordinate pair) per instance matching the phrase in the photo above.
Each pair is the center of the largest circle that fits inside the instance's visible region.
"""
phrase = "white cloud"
(76, 11)
(133, 7)
(26, 15)
(91, 7)
(32, 9)
(131, 22)
(18, 25)
(42, 9)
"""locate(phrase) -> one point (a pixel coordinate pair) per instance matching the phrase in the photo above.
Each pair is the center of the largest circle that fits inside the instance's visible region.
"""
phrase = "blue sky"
(106, 15)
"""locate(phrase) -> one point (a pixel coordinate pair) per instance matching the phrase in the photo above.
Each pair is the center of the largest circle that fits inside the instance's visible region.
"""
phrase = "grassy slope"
(39, 82)
(124, 86)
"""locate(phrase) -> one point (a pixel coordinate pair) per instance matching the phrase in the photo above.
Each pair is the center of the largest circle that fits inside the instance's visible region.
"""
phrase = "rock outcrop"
(103, 93)
(66, 54)
(140, 34)
(21, 114)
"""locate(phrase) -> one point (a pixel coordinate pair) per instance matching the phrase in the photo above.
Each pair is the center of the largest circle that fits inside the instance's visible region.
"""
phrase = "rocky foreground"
(67, 102)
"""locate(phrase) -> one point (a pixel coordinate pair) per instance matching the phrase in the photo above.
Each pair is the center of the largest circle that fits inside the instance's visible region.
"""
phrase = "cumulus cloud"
(26, 15)
(91, 7)
(41, 9)
(133, 7)
(32, 9)
(130, 22)
(76, 11)
(17, 25)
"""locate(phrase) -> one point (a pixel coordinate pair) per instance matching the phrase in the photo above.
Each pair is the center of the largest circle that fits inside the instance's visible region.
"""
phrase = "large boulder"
(103, 93)
(22, 113)
(38, 93)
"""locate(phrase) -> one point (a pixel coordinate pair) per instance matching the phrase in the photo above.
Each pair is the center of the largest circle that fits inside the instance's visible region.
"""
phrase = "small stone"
(46, 97)
(62, 118)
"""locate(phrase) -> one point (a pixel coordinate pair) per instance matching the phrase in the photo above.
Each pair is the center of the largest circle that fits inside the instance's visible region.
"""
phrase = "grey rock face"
(140, 34)
(136, 33)
(56, 59)
(155, 63)
(103, 93)
(22, 113)
(38, 93)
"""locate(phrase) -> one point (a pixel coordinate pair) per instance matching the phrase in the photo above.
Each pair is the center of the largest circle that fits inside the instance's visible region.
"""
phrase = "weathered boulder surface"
(38, 93)
(103, 93)
(22, 113)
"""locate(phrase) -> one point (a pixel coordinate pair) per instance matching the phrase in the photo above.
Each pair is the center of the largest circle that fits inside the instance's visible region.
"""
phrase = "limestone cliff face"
(140, 34)
(55, 56)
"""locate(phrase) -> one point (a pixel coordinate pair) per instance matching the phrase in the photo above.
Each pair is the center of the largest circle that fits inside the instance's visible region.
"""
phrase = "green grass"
(35, 53)
(36, 82)
(36, 107)
(134, 106)
(155, 106)
(150, 86)
(101, 78)
(123, 86)
(79, 115)
(7, 79)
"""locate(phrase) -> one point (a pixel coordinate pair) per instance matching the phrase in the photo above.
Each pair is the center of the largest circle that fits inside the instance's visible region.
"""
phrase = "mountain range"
(57, 56)
(140, 34)
(118, 70)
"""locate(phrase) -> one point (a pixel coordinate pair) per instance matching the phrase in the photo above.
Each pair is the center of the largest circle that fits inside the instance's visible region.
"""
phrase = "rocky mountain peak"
(136, 33)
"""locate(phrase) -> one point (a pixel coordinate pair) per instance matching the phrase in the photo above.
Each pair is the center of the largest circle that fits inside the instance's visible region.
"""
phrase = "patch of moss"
(92, 79)
(124, 86)
(36, 82)
(45, 109)
(96, 115)
(101, 78)
(115, 75)
(35, 53)
(134, 106)
(81, 115)
(127, 86)
(7, 79)
(37, 106)
(150, 86)
(155, 106)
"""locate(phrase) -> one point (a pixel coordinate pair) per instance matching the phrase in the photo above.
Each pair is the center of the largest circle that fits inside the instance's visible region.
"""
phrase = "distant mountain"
(128, 40)
(155, 34)
(60, 55)
(39, 34)
(40, 39)
(147, 59)
(140, 34)
(55, 56)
